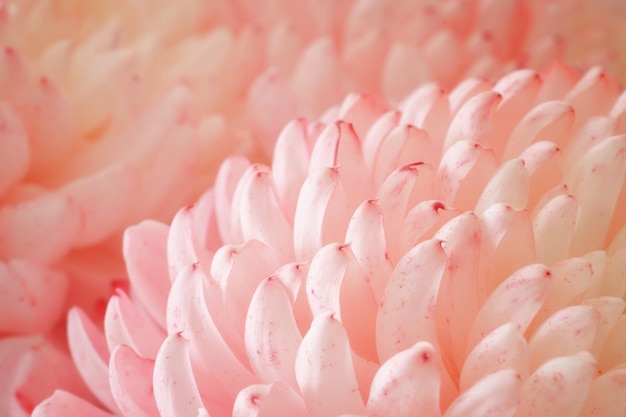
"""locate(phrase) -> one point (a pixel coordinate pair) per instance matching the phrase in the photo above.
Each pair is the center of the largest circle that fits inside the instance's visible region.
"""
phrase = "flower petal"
(558, 388)
(260, 216)
(566, 332)
(33, 297)
(223, 375)
(43, 229)
(90, 354)
(496, 395)
(145, 254)
(131, 382)
(63, 404)
(607, 395)
(366, 236)
(516, 300)
(289, 165)
(406, 313)
(321, 213)
(596, 181)
(124, 324)
(554, 228)
(407, 382)
(503, 348)
(272, 337)
(14, 142)
(324, 370)
(269, 400)
(175, 389)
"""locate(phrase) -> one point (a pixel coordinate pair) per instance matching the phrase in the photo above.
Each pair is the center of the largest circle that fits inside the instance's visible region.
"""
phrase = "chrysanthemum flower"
(463, 255)
(114, 111)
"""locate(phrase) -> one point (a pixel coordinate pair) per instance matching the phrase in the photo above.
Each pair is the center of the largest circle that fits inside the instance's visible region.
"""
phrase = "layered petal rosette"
(461, 255)
(115, 111)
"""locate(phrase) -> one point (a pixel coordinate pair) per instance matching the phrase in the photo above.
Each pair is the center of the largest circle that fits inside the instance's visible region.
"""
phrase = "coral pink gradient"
(112, 112)
(462, 255)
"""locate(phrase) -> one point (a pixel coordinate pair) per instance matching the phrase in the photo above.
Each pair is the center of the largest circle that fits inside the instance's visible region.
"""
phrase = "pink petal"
(175, 389)
(558, 80)
(289, 165)
(124, 324)
(473, 121)
(339, 146)
(423, 220)
(519, 91)
(418, 105)
(131, 382)
(272, 337)
(495, 395)
(593, 95)
(558, 388)
(228, 176)
(31, 369)
(406, 313)
(260, 216)
(464, 171)
(362, 110)
(90, 354)
(402, 146)
(503, 348)
(336, 284)
(543, 162)
(516, 300)
(570, 279)
(596, 181)
(590, 134)
(374, 137)
(457, 298)
(504, 21)
(613, 285)
(33, 297)
(269, 400)
(321, 214)
(14, 142)
(547, 121)
(465, 90)
(554, 228)
(51, 128)
(222, 374)
(271, 103)
(395, 197)
(324, 370)
(145, 254)
(181, 252)
(613, 355)
(366, 236)
(507, 245)
(404, 69)
(443, 52)
(62, 404)
(239, 271)
(407, 382)
(566, 332)
(316, 79)
(610, 309)
(509, 185)
(205, 232)
(607, 395)
(43, 229)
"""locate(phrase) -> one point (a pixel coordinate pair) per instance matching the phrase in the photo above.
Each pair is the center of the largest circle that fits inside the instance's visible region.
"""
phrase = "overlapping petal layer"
(460, 255)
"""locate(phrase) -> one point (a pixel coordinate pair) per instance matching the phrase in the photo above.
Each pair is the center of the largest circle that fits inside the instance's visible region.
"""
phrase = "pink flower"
(463, 255)
(113, 112)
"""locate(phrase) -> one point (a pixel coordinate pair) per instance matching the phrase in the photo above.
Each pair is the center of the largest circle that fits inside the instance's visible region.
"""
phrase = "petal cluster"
(460, 255)
(112, 112)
